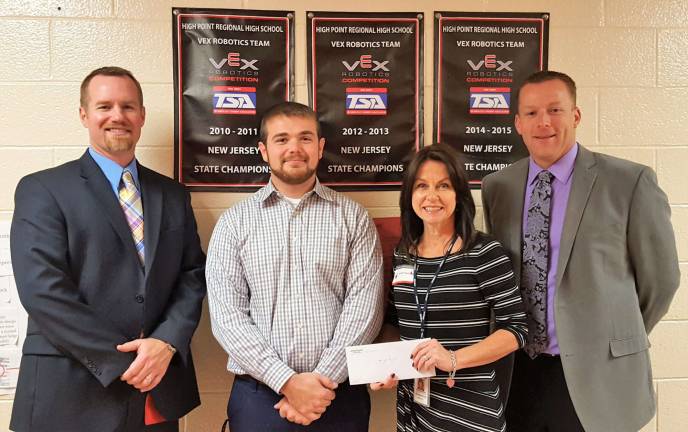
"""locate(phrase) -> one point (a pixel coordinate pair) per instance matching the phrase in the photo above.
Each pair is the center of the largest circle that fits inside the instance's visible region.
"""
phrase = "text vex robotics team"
(578, 265)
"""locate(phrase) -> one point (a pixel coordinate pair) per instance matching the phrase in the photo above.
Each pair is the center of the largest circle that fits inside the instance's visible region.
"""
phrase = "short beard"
(293, 179)
(117, 145)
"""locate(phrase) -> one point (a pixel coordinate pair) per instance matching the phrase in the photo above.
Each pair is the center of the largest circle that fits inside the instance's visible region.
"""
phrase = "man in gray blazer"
(595, 252)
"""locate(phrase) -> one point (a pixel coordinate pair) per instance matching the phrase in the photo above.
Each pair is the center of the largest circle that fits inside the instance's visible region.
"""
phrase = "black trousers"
(251, 409)
(539, 400)
(172, 426)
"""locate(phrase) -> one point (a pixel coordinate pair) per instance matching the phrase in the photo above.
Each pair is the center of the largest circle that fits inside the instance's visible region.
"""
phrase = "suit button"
(139, 298)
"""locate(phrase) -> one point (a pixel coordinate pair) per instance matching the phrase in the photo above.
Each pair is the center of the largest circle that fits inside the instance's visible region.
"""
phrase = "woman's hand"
(429, 354)
(389, 383)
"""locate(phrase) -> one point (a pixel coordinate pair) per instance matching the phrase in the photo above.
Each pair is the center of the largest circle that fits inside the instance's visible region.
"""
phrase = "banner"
(480, 60)
(229, 67)
(365, 83)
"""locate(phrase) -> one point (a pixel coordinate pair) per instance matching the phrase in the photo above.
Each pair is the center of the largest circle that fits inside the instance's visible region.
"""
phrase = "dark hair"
(287, 109)
(107, 71)
(548, 75)
(411, 224)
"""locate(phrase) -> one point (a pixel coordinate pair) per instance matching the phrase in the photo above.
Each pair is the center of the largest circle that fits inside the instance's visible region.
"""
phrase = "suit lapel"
(152, 213)
(99, 187)
(584, 175)
(517, 186)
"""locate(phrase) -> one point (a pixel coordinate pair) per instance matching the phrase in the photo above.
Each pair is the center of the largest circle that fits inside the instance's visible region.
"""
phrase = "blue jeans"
(250, 409)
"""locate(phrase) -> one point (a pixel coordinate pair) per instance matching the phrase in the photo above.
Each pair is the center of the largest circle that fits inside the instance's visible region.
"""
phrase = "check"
(376, 362)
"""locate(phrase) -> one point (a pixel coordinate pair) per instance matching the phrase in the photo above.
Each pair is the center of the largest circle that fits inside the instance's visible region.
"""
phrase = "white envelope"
(376, 362)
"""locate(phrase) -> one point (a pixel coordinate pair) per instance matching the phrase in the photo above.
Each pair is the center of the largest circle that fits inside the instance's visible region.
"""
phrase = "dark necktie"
(535, 262)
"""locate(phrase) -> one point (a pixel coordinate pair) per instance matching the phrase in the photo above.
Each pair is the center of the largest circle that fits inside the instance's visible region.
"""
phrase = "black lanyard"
(423, 309)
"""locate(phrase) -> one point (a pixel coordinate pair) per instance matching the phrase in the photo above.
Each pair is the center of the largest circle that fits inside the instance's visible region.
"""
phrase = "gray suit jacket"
(616, 276)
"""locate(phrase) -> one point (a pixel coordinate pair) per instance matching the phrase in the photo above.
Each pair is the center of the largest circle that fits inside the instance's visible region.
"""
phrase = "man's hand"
(309, 394)
(290, 413)
(150, 365)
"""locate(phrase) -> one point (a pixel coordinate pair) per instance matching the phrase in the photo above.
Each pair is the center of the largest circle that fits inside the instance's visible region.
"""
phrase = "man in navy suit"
(109, 267)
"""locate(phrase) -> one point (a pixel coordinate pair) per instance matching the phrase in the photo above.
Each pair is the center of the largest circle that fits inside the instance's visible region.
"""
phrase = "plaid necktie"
(130, 200)
(535, 264)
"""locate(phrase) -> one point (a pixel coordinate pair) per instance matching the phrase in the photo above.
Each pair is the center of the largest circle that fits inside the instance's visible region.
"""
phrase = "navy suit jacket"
(79, 278)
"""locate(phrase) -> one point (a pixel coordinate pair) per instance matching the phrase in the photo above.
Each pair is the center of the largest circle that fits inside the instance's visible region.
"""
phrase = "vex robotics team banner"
(230, 66)
(365, 84)
(480, 60)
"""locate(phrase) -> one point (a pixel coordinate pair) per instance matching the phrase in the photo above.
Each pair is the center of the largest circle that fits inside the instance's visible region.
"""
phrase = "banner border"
(312, 17)
(267, 15)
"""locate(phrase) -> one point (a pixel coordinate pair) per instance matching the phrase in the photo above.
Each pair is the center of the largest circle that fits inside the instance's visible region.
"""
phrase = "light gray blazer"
(616, 276)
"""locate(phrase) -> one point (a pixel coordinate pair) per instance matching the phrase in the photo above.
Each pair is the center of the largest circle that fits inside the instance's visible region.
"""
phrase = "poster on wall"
(480, 60)
(13, 317)
(365, 83)
(229, 67)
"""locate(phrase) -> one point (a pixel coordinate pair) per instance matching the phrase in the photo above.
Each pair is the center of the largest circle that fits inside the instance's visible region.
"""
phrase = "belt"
(542, 356)
(249, 378)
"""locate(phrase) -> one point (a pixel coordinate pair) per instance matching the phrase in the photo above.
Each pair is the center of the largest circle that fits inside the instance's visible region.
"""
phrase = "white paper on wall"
(6, 285)
(9, 329)
(5, 258)
(9, 369)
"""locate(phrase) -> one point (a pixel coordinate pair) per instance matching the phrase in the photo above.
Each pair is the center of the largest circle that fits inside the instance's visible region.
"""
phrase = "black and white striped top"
(470, 287)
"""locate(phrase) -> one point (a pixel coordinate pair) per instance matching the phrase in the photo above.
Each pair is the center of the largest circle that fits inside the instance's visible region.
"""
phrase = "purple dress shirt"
(561, 186)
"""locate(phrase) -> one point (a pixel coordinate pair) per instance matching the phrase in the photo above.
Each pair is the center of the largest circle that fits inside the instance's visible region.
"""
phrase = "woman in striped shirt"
(449, 280)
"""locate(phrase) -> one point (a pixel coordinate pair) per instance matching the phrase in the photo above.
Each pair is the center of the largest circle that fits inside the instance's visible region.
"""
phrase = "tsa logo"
(234, 100)
(490, 100)
(366, 101)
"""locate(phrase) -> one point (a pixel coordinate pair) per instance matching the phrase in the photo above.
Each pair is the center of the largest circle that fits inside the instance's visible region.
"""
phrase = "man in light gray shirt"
(294, 275)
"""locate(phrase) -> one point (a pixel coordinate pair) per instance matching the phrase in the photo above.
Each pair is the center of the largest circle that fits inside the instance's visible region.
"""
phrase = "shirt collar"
(561, 169)
(113, 171)
(269, 190)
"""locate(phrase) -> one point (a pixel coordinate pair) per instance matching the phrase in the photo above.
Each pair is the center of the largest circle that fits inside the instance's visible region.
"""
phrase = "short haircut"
(107, 71)
(287, 109)
(411, 225)
(548, 75)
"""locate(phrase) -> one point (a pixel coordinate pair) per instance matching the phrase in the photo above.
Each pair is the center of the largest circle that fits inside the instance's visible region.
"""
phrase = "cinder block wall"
(628, 57)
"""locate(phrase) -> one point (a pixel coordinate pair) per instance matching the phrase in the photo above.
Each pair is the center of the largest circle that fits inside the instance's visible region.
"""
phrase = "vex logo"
(234, 60)
(490, 100)
(366, 62)
(490, 62)
(234, 100)
(366, 101)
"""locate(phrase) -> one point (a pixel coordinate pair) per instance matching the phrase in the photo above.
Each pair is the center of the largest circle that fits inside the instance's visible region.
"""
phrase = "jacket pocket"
(632, 345)
(37, 344)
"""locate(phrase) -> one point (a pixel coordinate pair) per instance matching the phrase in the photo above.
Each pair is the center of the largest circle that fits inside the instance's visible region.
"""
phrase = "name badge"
(403, 275)
(421, 391)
